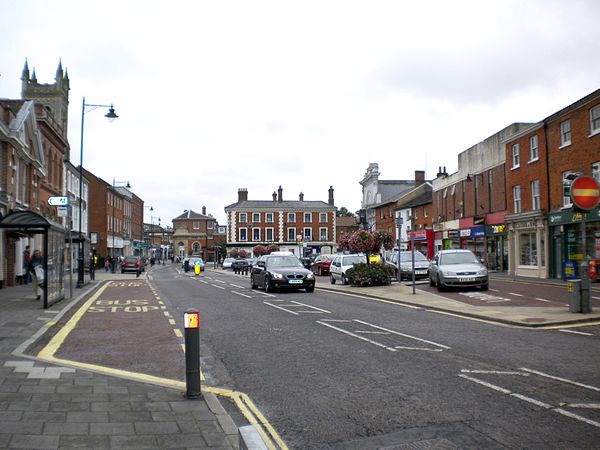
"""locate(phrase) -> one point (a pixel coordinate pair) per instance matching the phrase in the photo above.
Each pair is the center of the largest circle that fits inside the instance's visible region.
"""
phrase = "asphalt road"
(337, 371)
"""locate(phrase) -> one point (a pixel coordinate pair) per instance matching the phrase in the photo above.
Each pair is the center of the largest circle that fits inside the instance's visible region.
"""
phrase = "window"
(307, 217)
(381, 214)
(323, 217)
(323, 233)
(445, 192)
(535, 195)
(269, 217)
(268, 234)
(490, 178)
(415, 214)
(565, 133)
(533, 148)
(308, 234)
(243, 234)
(596, 171)
(243, 218)
(567, 179)
(425, 213)
(595, 120)
(210, 225)
(291, 217)
(196, 224)
(196, 248)
(516, 199)
(291, 234)
(256, 234)
(516, 156)
(255, 217)
(452, 189)
(528, 254)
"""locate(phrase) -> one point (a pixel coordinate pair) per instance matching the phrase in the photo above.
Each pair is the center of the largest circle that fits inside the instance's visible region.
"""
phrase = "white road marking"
(595, 298)
(542, 300)
(419, 348)
(494, 290)
(313, 307)
(531, 400)
(371, 332)
(584, 405)
(576, 332)
(402, 334)
(336, 320)
(486, 384)
(235, 285)
(220, 281)
(495, 372)
(266, 295)
(239, 293)
(485, 297)
(357, 336)
(218, 287)
(515, 294)
(578, 417)
(283, 309)
(564, 380)
(202, 281)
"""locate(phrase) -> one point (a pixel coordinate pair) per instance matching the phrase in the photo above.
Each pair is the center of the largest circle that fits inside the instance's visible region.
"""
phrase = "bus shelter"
(27, 223)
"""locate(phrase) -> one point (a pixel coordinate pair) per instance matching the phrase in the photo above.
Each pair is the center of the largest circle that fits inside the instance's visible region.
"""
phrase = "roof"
(193, 215)
(276, 205)
(422, 199)
(346, 221)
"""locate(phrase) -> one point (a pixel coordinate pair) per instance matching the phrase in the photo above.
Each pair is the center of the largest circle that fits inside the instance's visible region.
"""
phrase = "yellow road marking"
(177, 332)
(574, 325)
(172, 321)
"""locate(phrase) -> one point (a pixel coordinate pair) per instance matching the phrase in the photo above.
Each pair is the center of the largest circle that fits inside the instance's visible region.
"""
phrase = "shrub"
(369, 275)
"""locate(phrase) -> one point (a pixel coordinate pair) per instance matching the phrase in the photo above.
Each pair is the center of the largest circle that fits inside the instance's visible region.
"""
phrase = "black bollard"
(191, 322)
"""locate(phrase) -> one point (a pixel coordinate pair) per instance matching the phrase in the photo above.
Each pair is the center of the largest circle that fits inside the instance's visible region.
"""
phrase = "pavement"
(48, 406)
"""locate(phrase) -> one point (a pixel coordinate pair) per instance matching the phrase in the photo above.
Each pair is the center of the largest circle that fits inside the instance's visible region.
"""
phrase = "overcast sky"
(214, 96)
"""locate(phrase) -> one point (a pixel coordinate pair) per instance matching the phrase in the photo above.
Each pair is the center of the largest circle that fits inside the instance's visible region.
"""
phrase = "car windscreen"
(284, 261)
(349, 260)
(130, 260)
(407, 257)
(458, 258)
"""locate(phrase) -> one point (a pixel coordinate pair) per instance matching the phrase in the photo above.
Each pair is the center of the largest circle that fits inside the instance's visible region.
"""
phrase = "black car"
(279, 271)
(241, 265)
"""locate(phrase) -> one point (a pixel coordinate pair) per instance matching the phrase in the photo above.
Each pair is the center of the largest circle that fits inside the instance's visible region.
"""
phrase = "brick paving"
(45, 406)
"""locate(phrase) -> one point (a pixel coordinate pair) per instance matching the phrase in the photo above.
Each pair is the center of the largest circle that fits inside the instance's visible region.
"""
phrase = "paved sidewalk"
(44, 406)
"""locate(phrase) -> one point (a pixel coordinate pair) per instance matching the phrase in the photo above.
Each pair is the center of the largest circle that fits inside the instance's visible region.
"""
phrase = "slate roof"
(276, 206)
(192, 215)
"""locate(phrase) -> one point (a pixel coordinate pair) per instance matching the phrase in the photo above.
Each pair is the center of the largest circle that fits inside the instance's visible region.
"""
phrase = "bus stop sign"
(585, 193)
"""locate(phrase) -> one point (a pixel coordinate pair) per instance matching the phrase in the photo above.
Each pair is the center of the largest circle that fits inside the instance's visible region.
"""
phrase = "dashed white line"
(531, 400)
(202, 281)
(371, 332)
(336, 320)
(484, 383)
(495, 372)
(584, 405)
(564, 380)
(400, 347)
(494, 290)
(283, 309)
(313, 307)
(576, 416)
(221, 281)
(576, 332)
(235, 285)
(402, 334)
(266, 295)
(542, 300)
(357, 336)
(239, 293)
(218, 287)
(515, 294)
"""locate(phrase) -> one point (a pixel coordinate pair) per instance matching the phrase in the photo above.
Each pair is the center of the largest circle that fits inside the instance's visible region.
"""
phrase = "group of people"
(33, 267)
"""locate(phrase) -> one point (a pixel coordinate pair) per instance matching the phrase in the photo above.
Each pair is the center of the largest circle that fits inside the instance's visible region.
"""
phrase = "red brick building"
(196, 234)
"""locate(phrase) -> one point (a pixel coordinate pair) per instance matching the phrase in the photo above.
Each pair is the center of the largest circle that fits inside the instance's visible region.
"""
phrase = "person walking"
(26, 261)
(36, 268)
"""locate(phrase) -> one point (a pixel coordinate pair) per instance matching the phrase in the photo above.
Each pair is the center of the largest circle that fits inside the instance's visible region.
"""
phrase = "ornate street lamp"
(111, 116)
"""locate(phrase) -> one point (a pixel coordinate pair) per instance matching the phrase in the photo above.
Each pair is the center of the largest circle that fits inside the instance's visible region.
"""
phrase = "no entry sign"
(585, 193)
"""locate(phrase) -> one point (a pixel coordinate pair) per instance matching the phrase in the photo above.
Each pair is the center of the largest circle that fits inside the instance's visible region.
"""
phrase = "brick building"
(300, 226)
(196, 234)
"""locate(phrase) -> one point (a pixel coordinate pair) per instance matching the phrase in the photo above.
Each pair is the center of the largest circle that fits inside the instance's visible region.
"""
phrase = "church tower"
(53, 97)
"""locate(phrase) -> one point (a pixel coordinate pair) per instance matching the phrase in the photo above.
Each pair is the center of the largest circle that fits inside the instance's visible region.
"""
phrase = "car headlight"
(406, 268)
(482, 272)
(448, 273)
(310, 276)
(277, 276)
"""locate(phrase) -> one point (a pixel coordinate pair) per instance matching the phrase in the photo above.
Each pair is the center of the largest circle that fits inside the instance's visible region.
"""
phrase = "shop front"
(473, 239)
(423, 242)
(566, 242)
(496, 248)
(527, 244)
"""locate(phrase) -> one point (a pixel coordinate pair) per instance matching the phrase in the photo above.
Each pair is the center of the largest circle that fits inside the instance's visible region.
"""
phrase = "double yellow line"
(242, 401)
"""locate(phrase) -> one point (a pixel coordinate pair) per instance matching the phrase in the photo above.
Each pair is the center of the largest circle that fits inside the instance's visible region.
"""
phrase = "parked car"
(192, 261)
(281, 271)
(321, 264)
(131, 264)
(241, 264)
(227, 262)
(341, 263)
(421, 265)
(450, 268)
(306, 262)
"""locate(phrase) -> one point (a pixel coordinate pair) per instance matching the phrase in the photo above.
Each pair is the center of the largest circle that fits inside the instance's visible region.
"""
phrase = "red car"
(321, 264)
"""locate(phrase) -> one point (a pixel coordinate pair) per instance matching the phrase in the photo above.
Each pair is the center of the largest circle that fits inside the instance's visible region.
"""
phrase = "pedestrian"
(36, 267)
(92, 267)
(106, 264)
(26, 261)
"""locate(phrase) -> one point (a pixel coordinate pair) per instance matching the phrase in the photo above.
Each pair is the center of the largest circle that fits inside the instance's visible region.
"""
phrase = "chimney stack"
(279, 194)
(204, 210)
(274, 196)
(330, 201)
(242, 195)
(301, 197)
(419, 176)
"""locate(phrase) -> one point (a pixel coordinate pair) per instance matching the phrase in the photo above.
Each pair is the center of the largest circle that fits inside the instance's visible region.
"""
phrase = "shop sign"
(569, 217)
(452, 234)
(478, 220)
(478, 231)
(523, 225)
(496, 229)
(418, 235)
(465, 233)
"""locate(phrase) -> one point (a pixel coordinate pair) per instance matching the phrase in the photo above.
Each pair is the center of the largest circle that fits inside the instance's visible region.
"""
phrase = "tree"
(367, 242)
(343, 212)
(259, 250)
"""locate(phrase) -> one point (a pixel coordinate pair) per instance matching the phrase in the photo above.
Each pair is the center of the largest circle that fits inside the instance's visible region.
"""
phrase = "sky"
(217, 96)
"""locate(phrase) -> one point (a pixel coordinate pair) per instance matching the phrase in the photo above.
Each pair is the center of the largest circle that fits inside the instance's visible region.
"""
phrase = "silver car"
(451, 268)
(341, 264)
(421, 265)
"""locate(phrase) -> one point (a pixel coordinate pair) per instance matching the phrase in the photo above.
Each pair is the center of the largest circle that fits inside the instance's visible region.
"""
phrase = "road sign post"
(191, 324)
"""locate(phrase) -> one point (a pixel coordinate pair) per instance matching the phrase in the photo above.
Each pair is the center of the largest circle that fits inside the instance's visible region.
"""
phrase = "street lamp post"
(110, 116)
(114, 185)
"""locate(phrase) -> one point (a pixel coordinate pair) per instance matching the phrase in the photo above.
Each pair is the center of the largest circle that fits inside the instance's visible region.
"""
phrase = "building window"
(210, 225)
(243, 218)
(533, 148)
(535, 195)
(445, 192)
(307, 217)
(255, 217)
(256, 234)
(517, 199)
(425, 213)
(196, 248)
(243, 234)
(567, 180)
(268, 234)
(323, 234)
(269, 217)
(308, 234)
(453, 189)
(565, 133)
(596, 171)
(381, 214)
(291, 234)
(528, 249)
(516, 156)
(595, 120)
(291, 217)
(415, 214)
(196, 224)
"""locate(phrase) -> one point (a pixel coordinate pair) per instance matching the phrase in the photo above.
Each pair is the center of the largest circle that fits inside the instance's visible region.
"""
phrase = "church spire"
(25, 74)
(33, 77)
(59, 71)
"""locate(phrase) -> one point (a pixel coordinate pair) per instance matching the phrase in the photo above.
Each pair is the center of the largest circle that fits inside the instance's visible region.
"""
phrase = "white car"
(227, 263)
(341, 263)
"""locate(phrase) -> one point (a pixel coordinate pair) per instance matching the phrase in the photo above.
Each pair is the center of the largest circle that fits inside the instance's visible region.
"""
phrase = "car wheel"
(344, 280)
(268, 287)
(252, 283)
(431, 283)
(486, 286)
(331, 279)
(310, 289)
(440, 286)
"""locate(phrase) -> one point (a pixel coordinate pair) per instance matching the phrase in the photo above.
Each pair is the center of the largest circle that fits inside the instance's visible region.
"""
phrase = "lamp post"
(110, 116)
(114, 185)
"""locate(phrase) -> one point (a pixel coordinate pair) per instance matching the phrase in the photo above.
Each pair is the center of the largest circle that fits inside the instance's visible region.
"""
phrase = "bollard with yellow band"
(191, 324)
(197, 268)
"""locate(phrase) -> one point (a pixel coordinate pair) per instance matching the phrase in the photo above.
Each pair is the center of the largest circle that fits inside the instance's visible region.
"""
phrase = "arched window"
(196, 248)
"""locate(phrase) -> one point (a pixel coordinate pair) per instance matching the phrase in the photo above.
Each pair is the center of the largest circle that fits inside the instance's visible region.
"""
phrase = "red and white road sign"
(585, 193)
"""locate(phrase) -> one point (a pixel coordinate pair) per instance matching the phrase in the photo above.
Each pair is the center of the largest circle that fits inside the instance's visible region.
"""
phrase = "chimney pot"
(204, 210)
(274, 196)
(301, 197)
(330, 200)
(279, 194)
(419, 175)
(242, 195)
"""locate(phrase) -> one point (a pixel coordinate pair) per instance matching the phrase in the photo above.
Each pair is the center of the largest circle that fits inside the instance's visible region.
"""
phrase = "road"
(332, 371)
